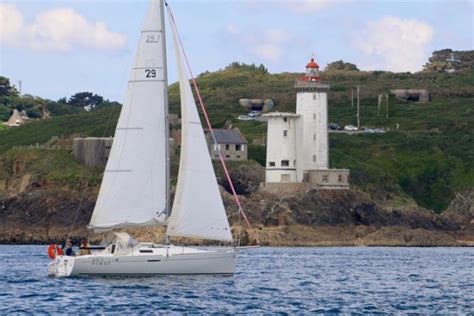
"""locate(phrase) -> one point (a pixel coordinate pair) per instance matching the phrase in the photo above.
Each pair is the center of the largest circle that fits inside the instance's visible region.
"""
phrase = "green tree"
(6, 89)
(5, 112)
(446, 60)
(341, 65)
(248, 67)
(85, 99)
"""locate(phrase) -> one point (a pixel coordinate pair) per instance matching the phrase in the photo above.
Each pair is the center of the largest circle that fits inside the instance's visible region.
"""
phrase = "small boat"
(135, 187)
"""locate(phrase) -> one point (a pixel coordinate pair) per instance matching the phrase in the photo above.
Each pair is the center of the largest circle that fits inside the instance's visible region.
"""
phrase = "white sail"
(198, 210)
(134, 188)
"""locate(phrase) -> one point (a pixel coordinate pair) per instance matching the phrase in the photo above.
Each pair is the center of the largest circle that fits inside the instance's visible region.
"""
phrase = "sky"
(57, 48)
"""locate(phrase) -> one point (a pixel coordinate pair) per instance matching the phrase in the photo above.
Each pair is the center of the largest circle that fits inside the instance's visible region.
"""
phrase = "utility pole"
(352, 97)
(19, 86)
(358, 107)
(379, 101)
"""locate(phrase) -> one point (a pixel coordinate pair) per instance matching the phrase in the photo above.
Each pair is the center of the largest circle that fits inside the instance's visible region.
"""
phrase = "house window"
(339, 178)
(314, 158)
(238, 157)
(285, 163)
(325, 178)
(285, 178)
(243, 147)
(227, 156)
(271, 164)
(238, 147)
(216, 147)
(285, 133)
(285, 119)
(227, 146)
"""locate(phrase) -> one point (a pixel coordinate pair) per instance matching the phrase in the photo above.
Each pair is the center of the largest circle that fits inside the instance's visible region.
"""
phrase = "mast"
(167, 129)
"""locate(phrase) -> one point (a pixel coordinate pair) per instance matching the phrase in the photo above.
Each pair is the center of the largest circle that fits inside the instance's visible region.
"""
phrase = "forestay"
(198, 210)
(135, 184)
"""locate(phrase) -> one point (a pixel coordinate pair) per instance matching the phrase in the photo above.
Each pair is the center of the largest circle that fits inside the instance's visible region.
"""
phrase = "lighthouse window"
(314, 158)
(285, 119)
(271, 164)
(314, 137)
(285, 163)
(314, 116)
(285, 133)
(314, 96)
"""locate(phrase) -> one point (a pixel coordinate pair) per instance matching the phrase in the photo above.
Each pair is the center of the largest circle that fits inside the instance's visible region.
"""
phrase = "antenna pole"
(358, 107)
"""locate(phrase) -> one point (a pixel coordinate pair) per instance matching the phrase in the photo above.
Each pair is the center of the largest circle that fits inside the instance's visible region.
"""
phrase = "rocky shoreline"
(316, 218)
(41, 212)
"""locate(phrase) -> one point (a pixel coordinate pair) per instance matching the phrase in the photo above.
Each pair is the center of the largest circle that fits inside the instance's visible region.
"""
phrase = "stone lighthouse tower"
(312, 107)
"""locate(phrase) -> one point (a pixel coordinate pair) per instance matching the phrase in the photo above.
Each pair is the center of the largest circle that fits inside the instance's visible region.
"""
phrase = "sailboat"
(136, 182)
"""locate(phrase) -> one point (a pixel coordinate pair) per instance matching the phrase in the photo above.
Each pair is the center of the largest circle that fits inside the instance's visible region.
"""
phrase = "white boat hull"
(147, 261)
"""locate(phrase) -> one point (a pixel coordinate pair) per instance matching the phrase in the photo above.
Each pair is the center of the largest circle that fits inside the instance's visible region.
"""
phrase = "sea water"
(268, 280)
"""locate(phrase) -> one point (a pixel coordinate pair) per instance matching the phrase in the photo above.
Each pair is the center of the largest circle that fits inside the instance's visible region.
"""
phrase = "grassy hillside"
(429, 158)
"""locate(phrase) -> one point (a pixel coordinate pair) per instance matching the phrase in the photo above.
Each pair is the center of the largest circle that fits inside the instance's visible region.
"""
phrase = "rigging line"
(208, 123)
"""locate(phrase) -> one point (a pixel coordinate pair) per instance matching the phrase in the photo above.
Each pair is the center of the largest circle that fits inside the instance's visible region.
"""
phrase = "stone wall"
(330, 178)
(94, 151)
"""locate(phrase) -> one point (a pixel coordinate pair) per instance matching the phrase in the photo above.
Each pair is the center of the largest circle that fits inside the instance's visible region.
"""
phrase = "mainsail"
(198, 210)
(134, 190)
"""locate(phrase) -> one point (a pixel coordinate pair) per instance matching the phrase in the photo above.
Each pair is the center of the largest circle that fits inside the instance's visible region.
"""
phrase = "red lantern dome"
(312, 72)
(312, 64)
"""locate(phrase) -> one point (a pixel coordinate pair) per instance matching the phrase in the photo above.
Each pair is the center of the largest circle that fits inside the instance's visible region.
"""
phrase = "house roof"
(17, 118)
(228, 136)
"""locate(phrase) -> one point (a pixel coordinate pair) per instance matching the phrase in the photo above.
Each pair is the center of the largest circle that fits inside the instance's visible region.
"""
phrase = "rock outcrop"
(43, 212)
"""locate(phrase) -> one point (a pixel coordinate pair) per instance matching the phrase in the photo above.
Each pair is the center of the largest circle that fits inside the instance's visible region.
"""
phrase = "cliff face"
(44, 212)
(461, 212)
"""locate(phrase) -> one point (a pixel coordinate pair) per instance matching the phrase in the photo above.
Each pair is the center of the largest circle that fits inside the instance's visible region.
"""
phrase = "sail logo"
(153, 38)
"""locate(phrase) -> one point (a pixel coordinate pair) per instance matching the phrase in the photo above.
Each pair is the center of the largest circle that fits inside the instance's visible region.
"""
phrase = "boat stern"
(62, 266)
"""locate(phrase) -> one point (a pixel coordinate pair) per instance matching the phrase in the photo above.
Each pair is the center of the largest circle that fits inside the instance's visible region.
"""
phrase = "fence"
(43, 147)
